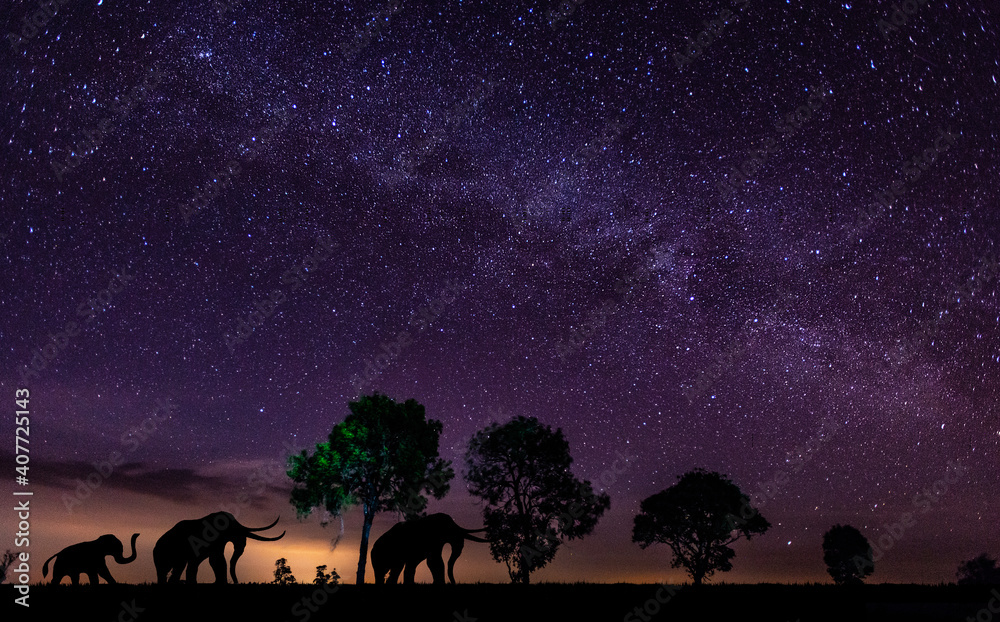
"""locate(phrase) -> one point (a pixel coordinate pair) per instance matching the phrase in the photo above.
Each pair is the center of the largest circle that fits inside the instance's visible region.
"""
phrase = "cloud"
(172, 484)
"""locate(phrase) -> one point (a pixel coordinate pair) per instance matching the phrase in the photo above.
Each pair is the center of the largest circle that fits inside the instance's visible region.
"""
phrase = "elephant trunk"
(131, 558)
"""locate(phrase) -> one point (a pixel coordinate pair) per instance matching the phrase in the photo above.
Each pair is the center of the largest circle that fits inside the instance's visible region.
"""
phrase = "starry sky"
(751, 236)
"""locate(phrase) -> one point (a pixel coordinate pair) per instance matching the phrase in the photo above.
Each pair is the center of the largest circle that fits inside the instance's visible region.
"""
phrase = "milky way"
(755, 237)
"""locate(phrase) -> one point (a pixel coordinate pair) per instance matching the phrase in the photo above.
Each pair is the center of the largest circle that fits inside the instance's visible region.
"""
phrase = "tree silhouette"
(381, 457)
(6, 561)
(326, 578)
(696, 518)
(521, 470)
(282, 573)
(847, 555)
(981, 570)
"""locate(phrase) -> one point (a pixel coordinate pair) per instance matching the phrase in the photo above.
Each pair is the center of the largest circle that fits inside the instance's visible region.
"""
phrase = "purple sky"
(458, 197)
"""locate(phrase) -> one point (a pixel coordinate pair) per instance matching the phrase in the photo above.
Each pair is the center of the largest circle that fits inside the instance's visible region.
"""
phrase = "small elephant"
(88, 558)
(407, 544)
(190, 542)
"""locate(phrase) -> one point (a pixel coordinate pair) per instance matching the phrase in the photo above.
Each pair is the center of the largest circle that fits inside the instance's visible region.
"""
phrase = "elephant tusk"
(254, 536)
(263, 528)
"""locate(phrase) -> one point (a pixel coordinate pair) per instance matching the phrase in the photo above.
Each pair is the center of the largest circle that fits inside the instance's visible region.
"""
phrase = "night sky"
(728, 260)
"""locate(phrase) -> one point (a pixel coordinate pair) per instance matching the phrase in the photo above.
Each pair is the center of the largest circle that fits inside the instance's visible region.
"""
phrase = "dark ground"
(491, 602)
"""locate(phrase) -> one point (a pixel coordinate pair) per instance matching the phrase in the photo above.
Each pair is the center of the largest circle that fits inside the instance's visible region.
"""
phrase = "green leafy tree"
(847, 555)
(326, 578)
(382, 457)
(698, 518)
(282, 573)
(981, 570)
(521, 470)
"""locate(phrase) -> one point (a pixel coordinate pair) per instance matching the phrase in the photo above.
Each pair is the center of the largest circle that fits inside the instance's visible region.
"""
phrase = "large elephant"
(190, 542)
(88, 558)
(407, 544)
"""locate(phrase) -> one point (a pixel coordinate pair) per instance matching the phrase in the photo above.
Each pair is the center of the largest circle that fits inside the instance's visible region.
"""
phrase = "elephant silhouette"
(406, 544)
(88, 558)
(190, 542)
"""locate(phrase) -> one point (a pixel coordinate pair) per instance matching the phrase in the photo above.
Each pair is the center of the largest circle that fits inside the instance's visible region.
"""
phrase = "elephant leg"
(105, 574)
(192, 570)
(409, 571)
(436, 565)
(456, 550)
(92, 575)
(394, 573)
(218, 562)
(238, 548)
(176, 571)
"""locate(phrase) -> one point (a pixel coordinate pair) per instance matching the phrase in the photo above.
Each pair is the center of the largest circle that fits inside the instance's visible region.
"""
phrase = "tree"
(521, 470)
(697, 518)
(326, 578)
(6, 561)
(382, 457)
(847, 555)
(981, 570)
(282, 573)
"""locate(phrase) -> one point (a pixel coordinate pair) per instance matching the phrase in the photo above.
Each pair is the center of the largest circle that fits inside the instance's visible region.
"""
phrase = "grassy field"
(493, 602)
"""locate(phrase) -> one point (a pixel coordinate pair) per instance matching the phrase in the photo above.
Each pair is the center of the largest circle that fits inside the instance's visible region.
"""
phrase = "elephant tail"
(254, 536)
(263, 528)
(469, 536)
(45, 566)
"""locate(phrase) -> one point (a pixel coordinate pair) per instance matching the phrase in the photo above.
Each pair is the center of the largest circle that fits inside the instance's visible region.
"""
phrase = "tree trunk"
(525, 574)
(363, 560)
